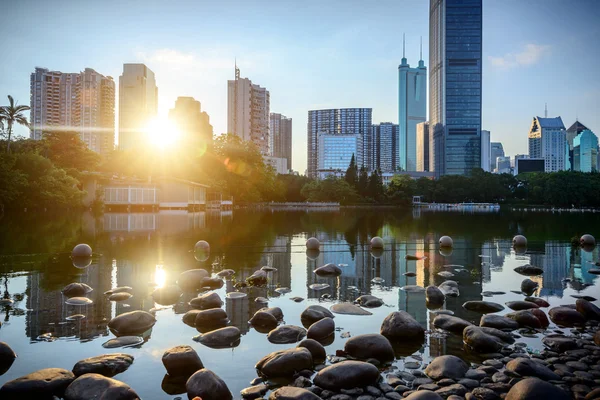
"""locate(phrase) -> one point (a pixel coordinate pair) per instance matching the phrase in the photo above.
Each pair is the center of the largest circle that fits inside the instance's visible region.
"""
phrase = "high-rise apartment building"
(548, 140)
(280, 133)
(455, 46)
(486, 150)
(412, 109)
(138, 104)
(248, 107)
(384, 150)
(338, 122)
(496, 150)
(336, 152)
(423, 146)
(193, 123)
(82, 102)
(585, 152)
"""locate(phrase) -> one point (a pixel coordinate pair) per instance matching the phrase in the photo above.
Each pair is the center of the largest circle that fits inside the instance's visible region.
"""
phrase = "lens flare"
(162, 133)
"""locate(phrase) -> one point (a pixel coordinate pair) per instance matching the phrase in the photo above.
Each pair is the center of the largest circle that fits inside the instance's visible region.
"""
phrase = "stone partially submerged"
(484, 307)
(41, 384)
(449, 288)
(76, 289)
(347, 375)
(131, 323)
(206, 385)
(207, 301)
(369, 301)
(450, 323)
(401, 324)
(96, 386)
(181, 361)
(220, 338)
(447, 366)
(285, 363)
(192, 279)
(286, 334)
(328, 270)
(107, 365)
(367, 346)
(293, 393)
(349, 309)
(314, 313)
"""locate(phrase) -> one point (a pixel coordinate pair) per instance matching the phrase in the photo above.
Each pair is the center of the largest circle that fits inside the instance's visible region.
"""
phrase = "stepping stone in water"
(349, 309)
(123, 341)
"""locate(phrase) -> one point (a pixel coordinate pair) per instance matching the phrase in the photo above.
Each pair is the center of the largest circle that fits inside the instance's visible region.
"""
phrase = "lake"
(146, 251)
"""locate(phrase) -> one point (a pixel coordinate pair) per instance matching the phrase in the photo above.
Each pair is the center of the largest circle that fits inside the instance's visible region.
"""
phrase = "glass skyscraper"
(455, 45)
(585, 152)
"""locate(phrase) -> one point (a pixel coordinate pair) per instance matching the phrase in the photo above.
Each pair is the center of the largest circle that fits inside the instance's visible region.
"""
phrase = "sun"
(162, 133)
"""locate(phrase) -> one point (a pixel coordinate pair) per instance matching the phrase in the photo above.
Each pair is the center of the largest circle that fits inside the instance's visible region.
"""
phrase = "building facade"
(384, 150)
(138, 104)
(548, 140)
(423, 146)
(280, 134)
(338, 122)
(279, 164)
(412, 110)
(248, 108)
(486, 150)
(503, 165)
(496, 150)
(455, 48)
(82, 102)
(524, 165)
(193, 123)
(336, 152)
(585, 152)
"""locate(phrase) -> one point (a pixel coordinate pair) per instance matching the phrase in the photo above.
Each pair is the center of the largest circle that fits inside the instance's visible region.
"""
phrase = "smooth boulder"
(7, 357)
(316, 349)
(521, 305)
(192, 279)
(483, 341)
(528, 367)
(369, 301)
(347, 375)
(211, 317)
(181, 361)
(328, 270)
(349, 309)
(220, 338)
(368, 346)
(434, 296)
(450, 323)
(43, 383)
(96, 386)
(286, 334)
(207, 385)
(538, 301)
(207, 301)
(76, 289)
(587, 309)
(528, 286)
(314, 313)
(565, 316)
(189, 318)
(293, 393)
(258, 278)
(535, 389)
(321, 329)
(132, 322)
(263, 319)
(401, 325)
(285, 363)
(498, 322)
(448, 366)
(449, 288)
(525, 319)
(484, 307)
(107, 365)
(529, 270)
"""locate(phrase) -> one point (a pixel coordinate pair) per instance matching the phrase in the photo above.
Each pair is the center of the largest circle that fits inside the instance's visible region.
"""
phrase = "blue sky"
(313, 54)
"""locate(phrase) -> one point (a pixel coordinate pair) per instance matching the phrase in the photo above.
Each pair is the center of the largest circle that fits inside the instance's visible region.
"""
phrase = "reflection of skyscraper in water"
(280, 257)
(555, 261)
(137, 277)
(412, 303)
(493, 254)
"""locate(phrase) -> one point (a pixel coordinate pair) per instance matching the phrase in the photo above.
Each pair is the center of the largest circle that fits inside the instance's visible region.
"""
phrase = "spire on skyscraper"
(404, 62)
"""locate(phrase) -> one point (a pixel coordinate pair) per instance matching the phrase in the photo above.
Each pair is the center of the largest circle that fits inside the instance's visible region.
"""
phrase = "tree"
(330, 189)
(10, 115)
(375, 187)
(351, 173)
(401, 189)
(66, 150)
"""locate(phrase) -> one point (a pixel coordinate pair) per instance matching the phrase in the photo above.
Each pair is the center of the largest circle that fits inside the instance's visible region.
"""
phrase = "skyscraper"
(423, 146)
(412, 109)
(548, 140)
(455, 46)
(572, 132)
(280, 128)
(248, 107)
(344, 121)
(384, 151)
(486, 150)
(82, 102)
(193, 123)
(585, 152)
(496, 151)
(138, 104)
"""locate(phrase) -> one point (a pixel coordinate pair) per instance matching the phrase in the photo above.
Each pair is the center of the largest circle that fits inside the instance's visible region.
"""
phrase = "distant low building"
(497, 150)
(280, 164)
(486, 150)
(503, 165)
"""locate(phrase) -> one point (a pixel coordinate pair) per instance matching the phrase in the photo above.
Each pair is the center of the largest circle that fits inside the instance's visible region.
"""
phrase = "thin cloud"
(530, 55)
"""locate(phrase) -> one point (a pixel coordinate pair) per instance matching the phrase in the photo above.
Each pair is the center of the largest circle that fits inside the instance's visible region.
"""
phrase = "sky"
(312, 54)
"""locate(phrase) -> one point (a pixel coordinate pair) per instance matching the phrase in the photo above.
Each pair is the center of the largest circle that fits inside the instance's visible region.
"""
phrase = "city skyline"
(199, 64)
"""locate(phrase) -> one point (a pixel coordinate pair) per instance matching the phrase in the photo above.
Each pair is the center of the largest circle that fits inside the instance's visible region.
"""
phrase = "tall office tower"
(486, 150)
(193, 123)
(138, 104)
(548, 140)
(280, 129)
(423, 146)
(338, 122)
(412, 109)
(384, 152)
(585, 152)
(248, 112)
(82, 102)
(572, 132)
(455, 45)
(496, 151)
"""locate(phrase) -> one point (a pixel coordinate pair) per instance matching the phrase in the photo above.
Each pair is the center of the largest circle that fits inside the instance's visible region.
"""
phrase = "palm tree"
(12, 114)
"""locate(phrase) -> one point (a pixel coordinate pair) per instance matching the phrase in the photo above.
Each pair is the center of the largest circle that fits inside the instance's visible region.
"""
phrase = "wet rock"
(226, 273)
(541, 316)
(503, 336)
(108, 365)
(285, 363)
(521, 305)
(286, 334)
(450, 323)
(481, 341)
(212, 283)
(587, 309)
(401, 325)
(293, 393)
(559, 343)
(96, 386)
(181, 361)
(254, 392)
(321, 329)
(211, 317)
(525, 318)
(498, 322)
(369, 301)
(528, 367)
(597, 338)
(76, 290)
(538, 301)
(207, 301)
(481, 393)
(449, 288)
(534, 389)
(258, 278)
(368, 346)
(189, 318)
(167, 295)
(119, 289)
(192, 279)
(328, 270)
(452, 390)
(528, 286)
(434, 296)
(312, 314)
(316, 349)
(220, 338)
(297, 299)
(349, 309)
(263, 319)
(208, 386)
(173, 385)
(122, 296)
(594, 394)
(123, 341)
(566, 316)
(7, 357)
(80, 301)
(413, 289)
(347, 375)
(529, 270)
(42, 384)
(274, 311)
(484, 307)
(423, 395)
(132, 322)
(446, 367)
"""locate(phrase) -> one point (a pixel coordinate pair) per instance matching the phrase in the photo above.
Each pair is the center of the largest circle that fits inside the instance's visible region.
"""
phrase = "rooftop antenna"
(421, 53)
(403, 45)
(546, 110)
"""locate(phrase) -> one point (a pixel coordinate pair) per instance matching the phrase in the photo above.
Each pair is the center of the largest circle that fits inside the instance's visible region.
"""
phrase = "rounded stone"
(181, 361)
(519, 241)
(42, 384)
(81, 262)
(377, 243)
(587, 240)
(528, 286)
(312, 254)
(263, 319)
(7, 357)
(285, 363)
(347, 375)
(122, 296)
(258, 278)
(484, 307)
(316, 349)
(498, 322)
(123, 341)
(133, 322)
(349, 309)
(529, 270)
(525, 318)
(538, 301)
(366, 300)
(450, 323)
(293, 393)
(189, 318)
(482, 340)
(107, 365)
(82, 250)
(76, 289)
(220, 338)
(286, 334)
(521, 305)
(534, 389)
(449, 288)
(401, 324)
(192, 279)
(434, 296)
(424, 395)
(213, 316)
(96, 386)
(447, 366)
(446, 241)
(207, 385)
(207, 301)
(78, 301)
(328, 270)
(321, 329)
(368, 346)
(528, 367)
(565, 316)
(587, 309)
(313, 243)
(314, 313)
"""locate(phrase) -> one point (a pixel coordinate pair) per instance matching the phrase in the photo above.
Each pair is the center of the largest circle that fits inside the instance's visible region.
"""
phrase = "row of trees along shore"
(47, 174)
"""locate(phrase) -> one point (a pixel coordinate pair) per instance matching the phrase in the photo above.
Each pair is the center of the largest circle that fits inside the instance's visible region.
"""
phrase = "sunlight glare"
(162, 133)
(160, 276)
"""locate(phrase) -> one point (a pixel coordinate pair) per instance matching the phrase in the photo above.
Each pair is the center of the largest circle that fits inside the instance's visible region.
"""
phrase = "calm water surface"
(148, 250)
